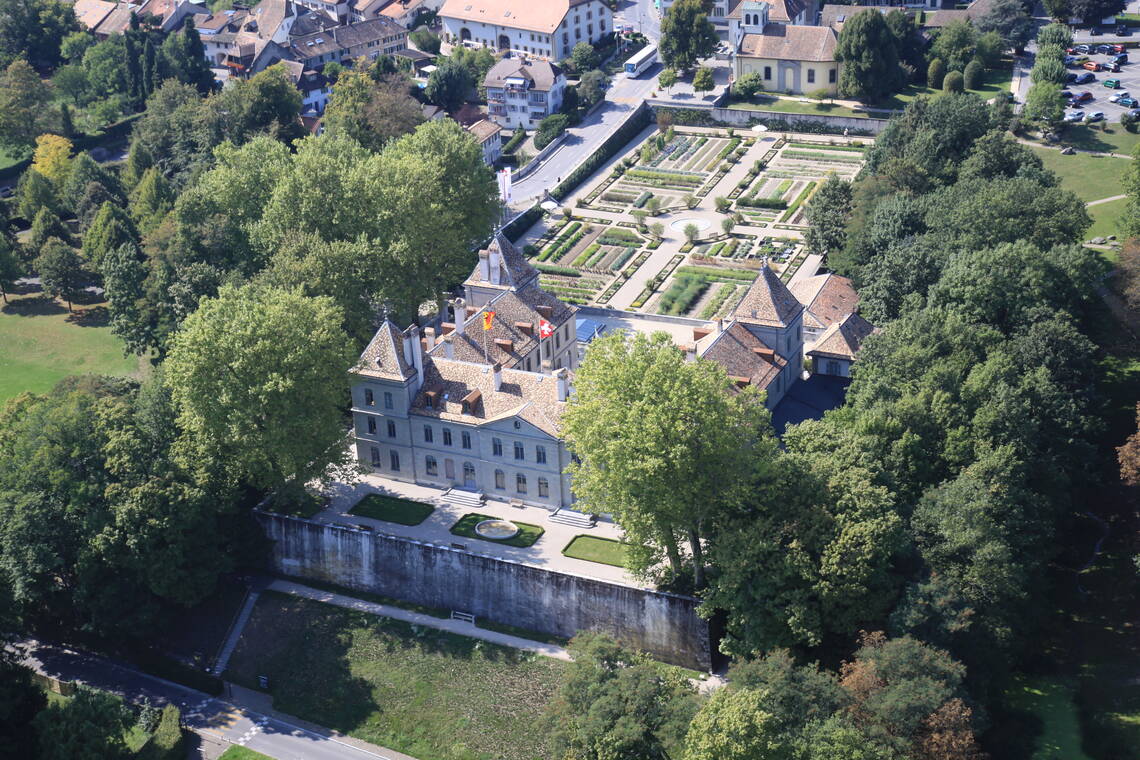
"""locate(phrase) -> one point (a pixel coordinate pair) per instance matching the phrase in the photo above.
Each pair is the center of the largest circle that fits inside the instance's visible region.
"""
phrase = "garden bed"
(593, 549)
(392, 509)
(527, 535)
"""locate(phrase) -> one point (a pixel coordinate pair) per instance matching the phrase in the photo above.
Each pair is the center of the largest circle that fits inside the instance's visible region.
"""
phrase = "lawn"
(40, 343)
(1105, 216)
(527, 534)
(994, 81)
(1112, 139)
(431, 694)
(391, 509)
(593, 549)
(1050, 700)
(241, 753)
(1090, 177)
(796, 105)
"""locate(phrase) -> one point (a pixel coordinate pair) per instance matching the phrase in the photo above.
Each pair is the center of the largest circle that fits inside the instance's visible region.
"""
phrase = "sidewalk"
(428, 621)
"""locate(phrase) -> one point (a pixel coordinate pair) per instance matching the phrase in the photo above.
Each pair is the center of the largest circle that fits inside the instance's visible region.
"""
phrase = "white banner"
(504, 178)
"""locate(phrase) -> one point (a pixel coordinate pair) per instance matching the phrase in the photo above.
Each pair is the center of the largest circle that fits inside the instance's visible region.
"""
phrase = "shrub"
(953, 82)
(167, 742)
(619, 262)
(581, 259)
(748, 85)
(641, 199)
(722, 203)
(972, 76)
(754, 202)
(522, 223)
(516, 139)
(549, 128)
(935, 73)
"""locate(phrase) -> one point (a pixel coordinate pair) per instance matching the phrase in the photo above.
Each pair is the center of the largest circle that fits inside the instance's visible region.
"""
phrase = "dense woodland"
(880, 574)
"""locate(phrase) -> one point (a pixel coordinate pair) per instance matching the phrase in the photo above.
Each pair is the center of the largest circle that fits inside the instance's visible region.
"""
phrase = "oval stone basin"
(498, 530)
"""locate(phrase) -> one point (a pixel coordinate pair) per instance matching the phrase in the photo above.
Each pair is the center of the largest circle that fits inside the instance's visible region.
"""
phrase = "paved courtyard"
(545, 553)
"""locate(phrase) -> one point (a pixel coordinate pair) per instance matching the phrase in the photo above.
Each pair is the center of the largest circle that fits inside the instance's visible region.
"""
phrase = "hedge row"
(552, 269)
(642, 199)
(681, 294)
(732, 145)
(657, 175)
(754, 202)
(713, 307)
(584, 256)
(717, 273)
(562, 245)
(523, 222)
(804, 156)
(619, 262)
(803, 196)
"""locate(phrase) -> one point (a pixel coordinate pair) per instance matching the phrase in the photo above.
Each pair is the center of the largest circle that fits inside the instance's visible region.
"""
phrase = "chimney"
(446, 328)
(505, 344)
(700, 332)
(448, 349)
(741, 382)
(484, 266)
(429, 336)
(526, 328)
(545, 312)
(412, 341)
(562, 378)
(766, 354)
(497, 375)
(544, 366)
(459, 306)
(495, 259)
(408, 358)
(719, 326)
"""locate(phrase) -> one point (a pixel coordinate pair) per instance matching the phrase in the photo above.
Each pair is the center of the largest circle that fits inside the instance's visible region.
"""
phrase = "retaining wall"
(665, 625)
(745, 117)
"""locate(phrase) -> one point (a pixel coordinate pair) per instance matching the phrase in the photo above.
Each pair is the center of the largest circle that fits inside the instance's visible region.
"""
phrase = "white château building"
(544, 28)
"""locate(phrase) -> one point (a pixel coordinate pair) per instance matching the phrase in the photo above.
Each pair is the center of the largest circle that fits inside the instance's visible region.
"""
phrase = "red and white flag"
(545, 329)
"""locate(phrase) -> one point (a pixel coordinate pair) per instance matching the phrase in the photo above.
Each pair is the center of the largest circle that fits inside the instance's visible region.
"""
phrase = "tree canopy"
(869, 52)
(687, 35)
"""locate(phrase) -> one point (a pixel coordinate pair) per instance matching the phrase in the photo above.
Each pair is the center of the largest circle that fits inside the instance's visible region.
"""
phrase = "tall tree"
(664, 445)
(955, 44)
(258, 377)
(11, 268)
(372, 112)
(869, 52)
(88, 726)
(60, 269)
(24, 107)
(266, 102)
(733, 725)
(687, 35)
(615, 703)
(111, 227)
(584, 57)
(185, 56)
(1129, 222)
(703, 79)
(34, 30)
(52, 159)
(151, 199)
(827, 215)
(449, 85)
(1009, 19)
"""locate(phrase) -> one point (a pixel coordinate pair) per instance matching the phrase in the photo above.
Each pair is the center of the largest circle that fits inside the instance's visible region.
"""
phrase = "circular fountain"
(497, 530)
(700, 224)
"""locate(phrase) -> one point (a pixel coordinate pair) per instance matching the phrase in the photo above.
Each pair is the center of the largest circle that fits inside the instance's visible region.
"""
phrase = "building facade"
(489, 135)
(547, 29)
(467, 407)
(790, 58)
(521, 93)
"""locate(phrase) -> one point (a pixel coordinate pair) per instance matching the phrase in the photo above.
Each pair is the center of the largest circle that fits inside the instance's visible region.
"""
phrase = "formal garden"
(682, 222)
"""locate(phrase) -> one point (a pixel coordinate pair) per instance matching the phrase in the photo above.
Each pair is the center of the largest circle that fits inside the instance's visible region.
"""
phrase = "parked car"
(1079, 49)
(1129, 102)
(1082, 96)
(1070, 78)
(1118, 48)
(1134, 113)
(1113, 67)
(1112, 84)
(1104, 49)
(1069, 60)
(1116, 96)
(1085, 78)
(1075, 116)
(1123, 31)
(1090, 66)
(1120, 58)
(1095, 116)
(1066, 94)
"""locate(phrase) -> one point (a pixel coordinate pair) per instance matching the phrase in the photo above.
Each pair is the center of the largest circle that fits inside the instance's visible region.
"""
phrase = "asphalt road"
(215, 719)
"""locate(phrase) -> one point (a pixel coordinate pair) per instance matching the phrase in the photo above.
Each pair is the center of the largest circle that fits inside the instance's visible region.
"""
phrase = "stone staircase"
(235, 633)
(463, 498)
(570, 517)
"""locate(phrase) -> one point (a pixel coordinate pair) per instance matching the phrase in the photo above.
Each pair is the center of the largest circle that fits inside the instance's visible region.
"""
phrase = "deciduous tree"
(733, 725)
(584, 57)
(827, 216)
(89, 725)
(25, 111)
(687, 35)
(372, 112)
(703, 79)
(34, 30)
(449, 85)
(258, 378)
(60, 269)
(664, 445)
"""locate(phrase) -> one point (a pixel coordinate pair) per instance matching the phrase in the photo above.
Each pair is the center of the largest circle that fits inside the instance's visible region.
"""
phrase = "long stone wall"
(665, 625)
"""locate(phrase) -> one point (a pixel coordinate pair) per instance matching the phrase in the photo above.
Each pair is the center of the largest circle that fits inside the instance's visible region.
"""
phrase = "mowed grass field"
(1090, 177)
(433, 695)
(40, 343)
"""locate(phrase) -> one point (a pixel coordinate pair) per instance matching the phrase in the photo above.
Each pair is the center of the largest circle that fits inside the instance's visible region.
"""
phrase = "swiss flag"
(545, 329)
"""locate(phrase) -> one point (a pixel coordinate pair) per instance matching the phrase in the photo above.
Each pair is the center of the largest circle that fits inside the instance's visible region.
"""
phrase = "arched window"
(500, 480)
(543, 487)
(431, 466)
(496, 447)
(520, 483)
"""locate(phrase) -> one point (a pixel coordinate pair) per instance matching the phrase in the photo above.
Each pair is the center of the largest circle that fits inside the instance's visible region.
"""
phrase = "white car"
(1075, 116)
(1115, 97)
(1096, 116)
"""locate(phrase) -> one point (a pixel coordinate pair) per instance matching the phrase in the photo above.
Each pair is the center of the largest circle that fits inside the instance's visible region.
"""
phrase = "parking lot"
(1129, 76)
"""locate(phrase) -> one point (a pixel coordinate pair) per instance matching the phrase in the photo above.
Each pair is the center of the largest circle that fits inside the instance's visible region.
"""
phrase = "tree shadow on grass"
(36, 306)
(97, 316)
(1085, 138)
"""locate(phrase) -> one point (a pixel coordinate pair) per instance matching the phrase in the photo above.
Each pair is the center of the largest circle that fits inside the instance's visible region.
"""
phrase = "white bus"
(640, 61)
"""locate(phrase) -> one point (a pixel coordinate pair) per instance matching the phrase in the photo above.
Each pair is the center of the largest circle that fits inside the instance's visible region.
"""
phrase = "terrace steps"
(463, 498)
(570, 517)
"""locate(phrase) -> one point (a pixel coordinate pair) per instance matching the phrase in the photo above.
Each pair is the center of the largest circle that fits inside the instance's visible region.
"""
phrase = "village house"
(521, 93)
(489, 135)
(548, 29)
